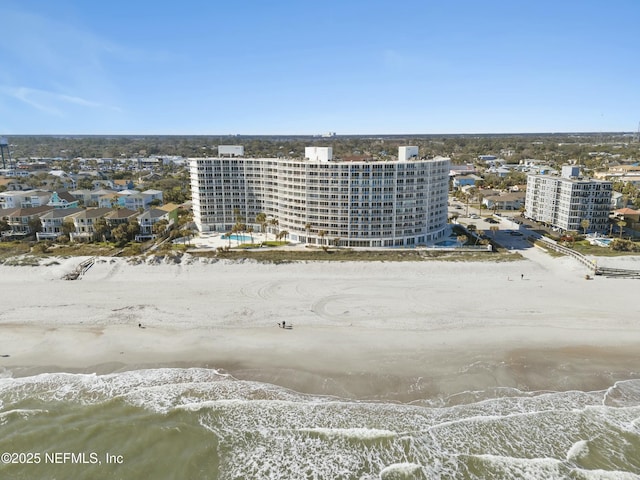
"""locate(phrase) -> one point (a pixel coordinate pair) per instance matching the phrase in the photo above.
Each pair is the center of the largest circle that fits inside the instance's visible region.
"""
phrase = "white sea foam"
(521, 468)
(266, 431)
(581, 474)
(578, 450)
(23, 413)
(354, 433)
(400, 471)
(622, 394)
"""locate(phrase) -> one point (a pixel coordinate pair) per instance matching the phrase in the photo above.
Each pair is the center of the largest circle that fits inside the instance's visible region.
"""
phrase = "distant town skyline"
(303, 68)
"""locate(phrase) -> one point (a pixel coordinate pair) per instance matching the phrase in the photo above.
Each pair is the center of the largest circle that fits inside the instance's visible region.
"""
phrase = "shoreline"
(357, 366)
(380, 330)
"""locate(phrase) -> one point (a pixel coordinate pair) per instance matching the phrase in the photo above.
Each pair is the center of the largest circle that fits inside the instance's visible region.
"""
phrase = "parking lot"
(507, 229)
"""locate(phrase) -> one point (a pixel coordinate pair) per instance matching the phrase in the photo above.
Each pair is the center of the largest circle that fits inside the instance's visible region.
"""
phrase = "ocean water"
(197, 423)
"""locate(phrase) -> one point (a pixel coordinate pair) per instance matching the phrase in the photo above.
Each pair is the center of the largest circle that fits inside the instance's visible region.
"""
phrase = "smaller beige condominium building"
(569, 202)
(321, 200)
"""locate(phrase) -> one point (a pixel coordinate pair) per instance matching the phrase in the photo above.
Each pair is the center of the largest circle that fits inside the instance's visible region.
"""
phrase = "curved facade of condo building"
(319, 200)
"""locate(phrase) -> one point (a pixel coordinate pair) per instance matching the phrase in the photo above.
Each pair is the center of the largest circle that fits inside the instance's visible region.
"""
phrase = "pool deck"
(214, 240)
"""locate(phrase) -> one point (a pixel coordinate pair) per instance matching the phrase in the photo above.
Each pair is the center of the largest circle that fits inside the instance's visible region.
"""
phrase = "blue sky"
(303, 67)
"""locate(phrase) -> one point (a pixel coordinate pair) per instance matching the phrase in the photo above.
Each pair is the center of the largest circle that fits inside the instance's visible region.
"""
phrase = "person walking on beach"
(283, 324)
(522, 276)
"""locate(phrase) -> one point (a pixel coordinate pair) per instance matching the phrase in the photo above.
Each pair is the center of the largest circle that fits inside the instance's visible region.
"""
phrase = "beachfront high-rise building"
(565, 201)
(320, 199)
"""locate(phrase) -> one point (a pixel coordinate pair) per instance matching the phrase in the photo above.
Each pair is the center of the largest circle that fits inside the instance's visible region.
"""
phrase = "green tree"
(100, 229)
(84, 184)
(119, 234)
(274, 226)
(261, 218)
(35, 225)
(159, 227)
(133, 229)
(585, 224)
(68, 227)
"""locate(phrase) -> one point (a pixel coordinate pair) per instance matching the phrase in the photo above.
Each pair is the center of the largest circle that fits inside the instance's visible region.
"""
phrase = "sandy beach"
(433, 328)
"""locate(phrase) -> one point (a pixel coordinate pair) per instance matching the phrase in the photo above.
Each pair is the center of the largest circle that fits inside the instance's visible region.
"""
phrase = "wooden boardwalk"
(80, 270)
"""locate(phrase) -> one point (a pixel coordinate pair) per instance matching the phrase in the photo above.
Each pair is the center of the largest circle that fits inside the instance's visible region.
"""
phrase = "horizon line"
(315, 135)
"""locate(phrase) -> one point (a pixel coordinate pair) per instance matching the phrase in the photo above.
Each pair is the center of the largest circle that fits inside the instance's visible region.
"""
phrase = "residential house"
(499, 171)
(63, 200)
(131, 199)
(465, 180)
(105, 183)
(467, 169)
(20, 219)
(172, 211)
(24, 198)
(119, 216)
(53, 220)
(136, 200)
(84, 221)
(108, 200)
(617, 200)
(121, 185)
(504, 201)
(147, 220)
(96, 198)
(82, 196)
(63, 178)
(12, 185)
(154, 195)
(629, 215)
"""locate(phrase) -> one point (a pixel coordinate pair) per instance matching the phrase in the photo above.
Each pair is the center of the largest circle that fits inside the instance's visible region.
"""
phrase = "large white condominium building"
(318, 199)
(566, 201)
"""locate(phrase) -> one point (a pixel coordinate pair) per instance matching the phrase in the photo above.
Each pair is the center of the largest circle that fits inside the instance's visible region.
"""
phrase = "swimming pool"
(447, 243)
(603, 242)
(237, 238)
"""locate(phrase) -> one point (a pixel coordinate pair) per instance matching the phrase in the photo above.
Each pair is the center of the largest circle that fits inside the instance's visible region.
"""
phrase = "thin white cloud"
(50, 64)
(53, 103)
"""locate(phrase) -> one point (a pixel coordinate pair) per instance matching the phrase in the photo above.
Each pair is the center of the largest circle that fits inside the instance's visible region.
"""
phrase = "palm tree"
(621, 225)
(467, 198)
(307, 227)
(100, 229)
(250, 232)
(585, 224)
(261, 218)
(462, 239)
(321, 234)
(274, 224)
